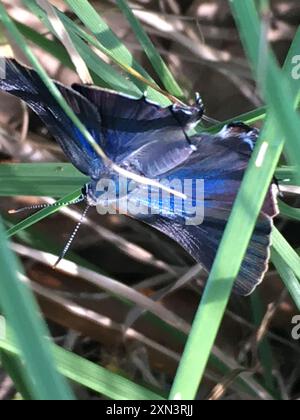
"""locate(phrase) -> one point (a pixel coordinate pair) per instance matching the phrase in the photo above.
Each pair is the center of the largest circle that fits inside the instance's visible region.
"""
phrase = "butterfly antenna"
(45, 206)
(72, 237)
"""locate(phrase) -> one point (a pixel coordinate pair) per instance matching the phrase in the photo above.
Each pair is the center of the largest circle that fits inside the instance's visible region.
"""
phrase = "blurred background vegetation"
(255, 356)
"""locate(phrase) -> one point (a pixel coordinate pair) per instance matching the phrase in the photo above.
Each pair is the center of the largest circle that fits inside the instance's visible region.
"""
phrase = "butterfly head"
(89, 192)
(107, 190)
(189, 116)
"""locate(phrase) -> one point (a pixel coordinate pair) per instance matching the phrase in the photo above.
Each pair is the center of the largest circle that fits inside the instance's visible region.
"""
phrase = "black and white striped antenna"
(72, 237)
(45, 206)
(67, 203)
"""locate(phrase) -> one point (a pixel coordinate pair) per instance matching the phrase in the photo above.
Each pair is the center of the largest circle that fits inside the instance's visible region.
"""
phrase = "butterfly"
(151, 141)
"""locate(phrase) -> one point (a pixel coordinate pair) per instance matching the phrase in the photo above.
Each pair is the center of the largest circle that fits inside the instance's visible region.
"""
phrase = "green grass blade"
(58, 51)
(99, 379)
(225, 270)
(42, 214)
(13, 30)
(248, 385)
(275, 87)
(40, 179)
(21, 312)
(289, 212)
(110, 44)
(289, 65)
(288, 276)
(248, 118)
(91, 375)
(231, 252)
(224, 366)
(13, 366)
(287, 174)
(52, 47)
(46, 179)
(105, 73)
(287, 253)
(156, 60)
(259, 114)
(270, 166)
(55, 92)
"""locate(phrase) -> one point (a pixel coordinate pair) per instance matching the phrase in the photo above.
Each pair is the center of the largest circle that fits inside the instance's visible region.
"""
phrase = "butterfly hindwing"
(202, 243)
(221, 162)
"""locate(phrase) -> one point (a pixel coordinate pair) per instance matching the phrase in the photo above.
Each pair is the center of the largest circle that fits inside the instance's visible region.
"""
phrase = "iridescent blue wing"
(26, 85)
(202, 243)
(136, 134)
(221, 162)
(148, 136)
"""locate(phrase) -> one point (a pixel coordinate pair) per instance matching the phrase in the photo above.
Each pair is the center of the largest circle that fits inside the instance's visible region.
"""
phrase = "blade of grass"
(145, 84)
(155, 59)
(63, 35)
(55, 49)
(40, 179)
(259, 114)
(105, 72)
(248, 384)
(274, 85)
(99, 379)
(42, 214)
(12, 365)
(217, 359)
(231, 252)
(59, 52)
(52, 47)
(11, 27)
(288, 276)
(248, 118)
(286, 174)
(287, 253)
(91, 375)
(109, 74)
(30, 332)
(110, 44)
(225, 270)
(105, 42)
(288, 211)
(13, 30)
